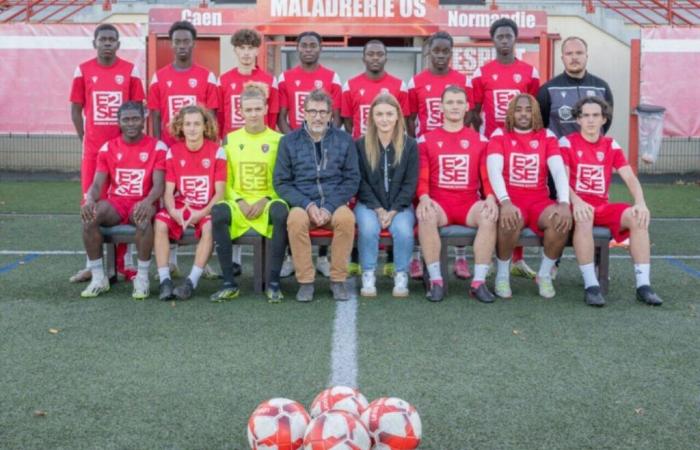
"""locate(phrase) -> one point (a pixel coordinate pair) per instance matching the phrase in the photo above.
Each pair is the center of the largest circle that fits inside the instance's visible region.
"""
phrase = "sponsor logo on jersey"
(318, 84)
(143, 156)
(236, 117)
(206, 163)
(454, 171)
(105, 107)
(517, 77)
(195, 189)
(501, 98)
(253, 175)
(299, 99)
(600, 156)
(464, 143)
(524, 169)
(364, 114)
(534, 144)
(192, 82)
(590, 179)
(129, 182)
(177, 102)
(433, 113)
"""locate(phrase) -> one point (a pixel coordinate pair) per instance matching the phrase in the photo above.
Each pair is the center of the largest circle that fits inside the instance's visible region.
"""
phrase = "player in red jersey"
(451, 159)
(100, 86)
(195, 180)
(424, 96)
(493, 87)
(295, 84)
(591, 158)
(131, 167)
(246, 45)
(518, 160)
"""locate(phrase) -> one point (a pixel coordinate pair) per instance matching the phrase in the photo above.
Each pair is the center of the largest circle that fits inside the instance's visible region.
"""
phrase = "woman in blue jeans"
(388, 160)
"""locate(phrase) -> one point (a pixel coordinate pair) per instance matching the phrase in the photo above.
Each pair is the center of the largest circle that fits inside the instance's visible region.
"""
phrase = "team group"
(408, 155)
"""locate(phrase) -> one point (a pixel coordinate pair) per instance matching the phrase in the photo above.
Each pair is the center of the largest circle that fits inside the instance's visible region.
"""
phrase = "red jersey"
(450, 163)
(295, 84)
(231, 85)
(525, 158)
(591, 165)
(101, 91)
(171, 90)
(360, 92)
(494, 85)
(130, 167)
(195, 173)
(424, 97)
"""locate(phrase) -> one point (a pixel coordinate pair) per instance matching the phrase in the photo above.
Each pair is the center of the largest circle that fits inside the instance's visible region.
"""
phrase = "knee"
(430, 221)
(368, 225)
(221, 214)
(343, 219)
(298, 219)
(278, 213)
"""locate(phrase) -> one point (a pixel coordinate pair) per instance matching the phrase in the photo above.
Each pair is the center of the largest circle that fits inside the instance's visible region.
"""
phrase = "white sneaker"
(81, 276)
(400, 285)
(368, 285)
(142, 288)
(287, 267)
(95, 288)
(209, 273)
(323, 266)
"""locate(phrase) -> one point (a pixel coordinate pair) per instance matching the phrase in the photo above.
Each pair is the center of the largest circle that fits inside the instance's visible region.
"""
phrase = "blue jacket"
(301, 179)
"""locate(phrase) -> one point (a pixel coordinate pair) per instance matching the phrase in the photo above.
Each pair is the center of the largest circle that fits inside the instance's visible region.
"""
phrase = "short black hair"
(503, 22)
(182, 25)
(605, 109)
(441, 35)
(105, 27)
(373, 41)
(131, 106)
(303, 34)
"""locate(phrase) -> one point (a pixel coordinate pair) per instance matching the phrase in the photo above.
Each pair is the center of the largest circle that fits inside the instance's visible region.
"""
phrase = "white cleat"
(95, 288)
(142, 289)
(81, 276)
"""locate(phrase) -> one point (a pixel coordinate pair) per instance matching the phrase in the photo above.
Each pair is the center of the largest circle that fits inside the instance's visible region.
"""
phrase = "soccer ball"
(337, 430)
(342, 398)
(393, 424)
(277, 424)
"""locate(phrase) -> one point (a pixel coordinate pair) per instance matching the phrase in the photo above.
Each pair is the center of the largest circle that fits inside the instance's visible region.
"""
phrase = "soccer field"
(112, 373)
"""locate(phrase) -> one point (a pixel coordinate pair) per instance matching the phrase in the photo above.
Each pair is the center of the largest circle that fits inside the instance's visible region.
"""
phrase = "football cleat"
(546, 287)
(185, 290)
(226, 293)
(81, 276)
(95, 288)
(461, 269)
(521, 269)
(482, 293)
(503, 288)
(142, 289)
(647, 295)
(593, 297)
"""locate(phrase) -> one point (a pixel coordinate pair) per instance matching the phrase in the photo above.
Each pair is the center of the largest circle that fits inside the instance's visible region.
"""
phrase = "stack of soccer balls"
(341, 419)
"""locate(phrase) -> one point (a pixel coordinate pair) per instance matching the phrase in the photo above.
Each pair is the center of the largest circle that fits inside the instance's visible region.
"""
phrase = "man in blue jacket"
(317, 174)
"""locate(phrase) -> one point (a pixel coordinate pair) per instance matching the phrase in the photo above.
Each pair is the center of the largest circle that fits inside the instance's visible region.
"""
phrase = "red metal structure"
(651, 12)
(42, 11)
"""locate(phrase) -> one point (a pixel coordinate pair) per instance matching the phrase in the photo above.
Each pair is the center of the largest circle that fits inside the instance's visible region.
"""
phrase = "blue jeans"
(368, 228)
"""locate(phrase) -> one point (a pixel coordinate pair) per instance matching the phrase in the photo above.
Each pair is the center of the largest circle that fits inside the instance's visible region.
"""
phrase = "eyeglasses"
(317, 112)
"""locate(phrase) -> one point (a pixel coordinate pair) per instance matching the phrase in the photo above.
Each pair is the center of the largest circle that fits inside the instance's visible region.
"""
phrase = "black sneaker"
(436, 293)
(166, 290)
(340, 291)
(482, 293)
(593, 297)
(185, 290)
(647, 295)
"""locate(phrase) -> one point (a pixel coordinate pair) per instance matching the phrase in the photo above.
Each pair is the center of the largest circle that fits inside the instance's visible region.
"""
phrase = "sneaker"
(287, 268)
(129, 273)
(95, 288)
(593, 297)
(503, 288)
(209, 273)
(521, 269)
(436, 293)
(482, 293)
(323, 266)
(647, 295)
(81, 276)
(368, 285)
(461, 269)
(166, 289)
(415, 268)
(354, 269)
(400, 285)
(237, 270)
(388, 270)
(305, 293)
(185, 290)
(226, 293)
(142, 289)
(546, 287)
(339, 291)
(274, 293)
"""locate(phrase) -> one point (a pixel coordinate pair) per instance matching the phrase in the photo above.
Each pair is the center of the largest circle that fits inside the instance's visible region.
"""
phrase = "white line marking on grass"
(344, 351)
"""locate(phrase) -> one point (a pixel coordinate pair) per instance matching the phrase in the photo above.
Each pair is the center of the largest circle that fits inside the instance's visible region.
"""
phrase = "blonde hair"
(211, 130)
(255, 89)
(537, 123)
(372, 136)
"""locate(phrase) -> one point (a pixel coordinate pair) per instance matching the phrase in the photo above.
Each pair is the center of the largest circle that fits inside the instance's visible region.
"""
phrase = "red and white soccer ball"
(277, 424)
(393, 424)
(337, 430)
(342, 398)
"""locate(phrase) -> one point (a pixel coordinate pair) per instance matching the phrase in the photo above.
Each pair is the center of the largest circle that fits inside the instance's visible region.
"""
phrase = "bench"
(461, 236)
(125, 234)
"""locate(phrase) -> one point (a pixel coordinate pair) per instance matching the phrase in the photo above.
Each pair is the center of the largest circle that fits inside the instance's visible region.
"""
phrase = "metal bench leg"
(259, 266)
(444, 265)
(111, 261)
(603, 260)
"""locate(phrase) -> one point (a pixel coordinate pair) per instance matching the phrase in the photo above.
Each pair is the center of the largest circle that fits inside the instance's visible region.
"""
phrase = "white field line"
(344, 341)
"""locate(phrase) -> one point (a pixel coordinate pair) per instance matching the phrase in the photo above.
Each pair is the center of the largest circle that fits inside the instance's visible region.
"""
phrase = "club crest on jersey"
(464, 144)
(94, 78)
(362, 92)
(265, 148)
(534, 144)
(600, 156)
(384, 91)
(297, 82)
(182, 163)
(233, 86)
(513, 142)
(439, 144)
(240, 147)
(579, 153)
(563, 94)
(517, 77)
(428, 87)
(494, 76)
(206, 162)
(143, 156)
(318, 84)
(119, 156)
(169, 83)
(119, 79)
(192, 82)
